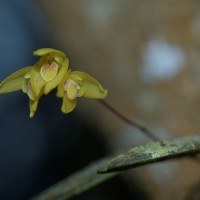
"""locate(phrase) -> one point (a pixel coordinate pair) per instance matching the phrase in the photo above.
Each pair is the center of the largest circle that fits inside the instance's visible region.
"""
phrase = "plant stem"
(152, 152)
(76, 184)
(130, 122)
(87, 178)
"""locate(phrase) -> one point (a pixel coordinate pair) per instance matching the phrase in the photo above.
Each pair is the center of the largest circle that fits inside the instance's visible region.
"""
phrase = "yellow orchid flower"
(49, 72)
(76, 84)
(38, 79)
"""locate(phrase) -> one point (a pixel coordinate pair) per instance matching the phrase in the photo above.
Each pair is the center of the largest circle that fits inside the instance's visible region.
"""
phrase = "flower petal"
(37, 82)
(68, 105)
(60, 88)
(44, 51)
(14, 82)
(33, 107)
(90, 87)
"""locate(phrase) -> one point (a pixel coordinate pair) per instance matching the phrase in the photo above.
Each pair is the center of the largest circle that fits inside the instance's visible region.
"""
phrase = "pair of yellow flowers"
(49, 72)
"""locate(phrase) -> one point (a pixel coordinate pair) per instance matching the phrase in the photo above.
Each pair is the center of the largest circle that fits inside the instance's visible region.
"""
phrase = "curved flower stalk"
(49, 72)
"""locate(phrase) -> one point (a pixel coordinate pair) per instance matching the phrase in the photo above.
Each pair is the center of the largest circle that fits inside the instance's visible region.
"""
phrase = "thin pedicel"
(128, 121)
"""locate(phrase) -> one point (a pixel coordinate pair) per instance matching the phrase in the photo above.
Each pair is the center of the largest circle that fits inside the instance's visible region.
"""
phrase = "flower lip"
(49, 71)
(71, 87)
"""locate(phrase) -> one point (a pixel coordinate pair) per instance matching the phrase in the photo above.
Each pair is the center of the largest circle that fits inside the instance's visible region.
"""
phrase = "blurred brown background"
(146, 53)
